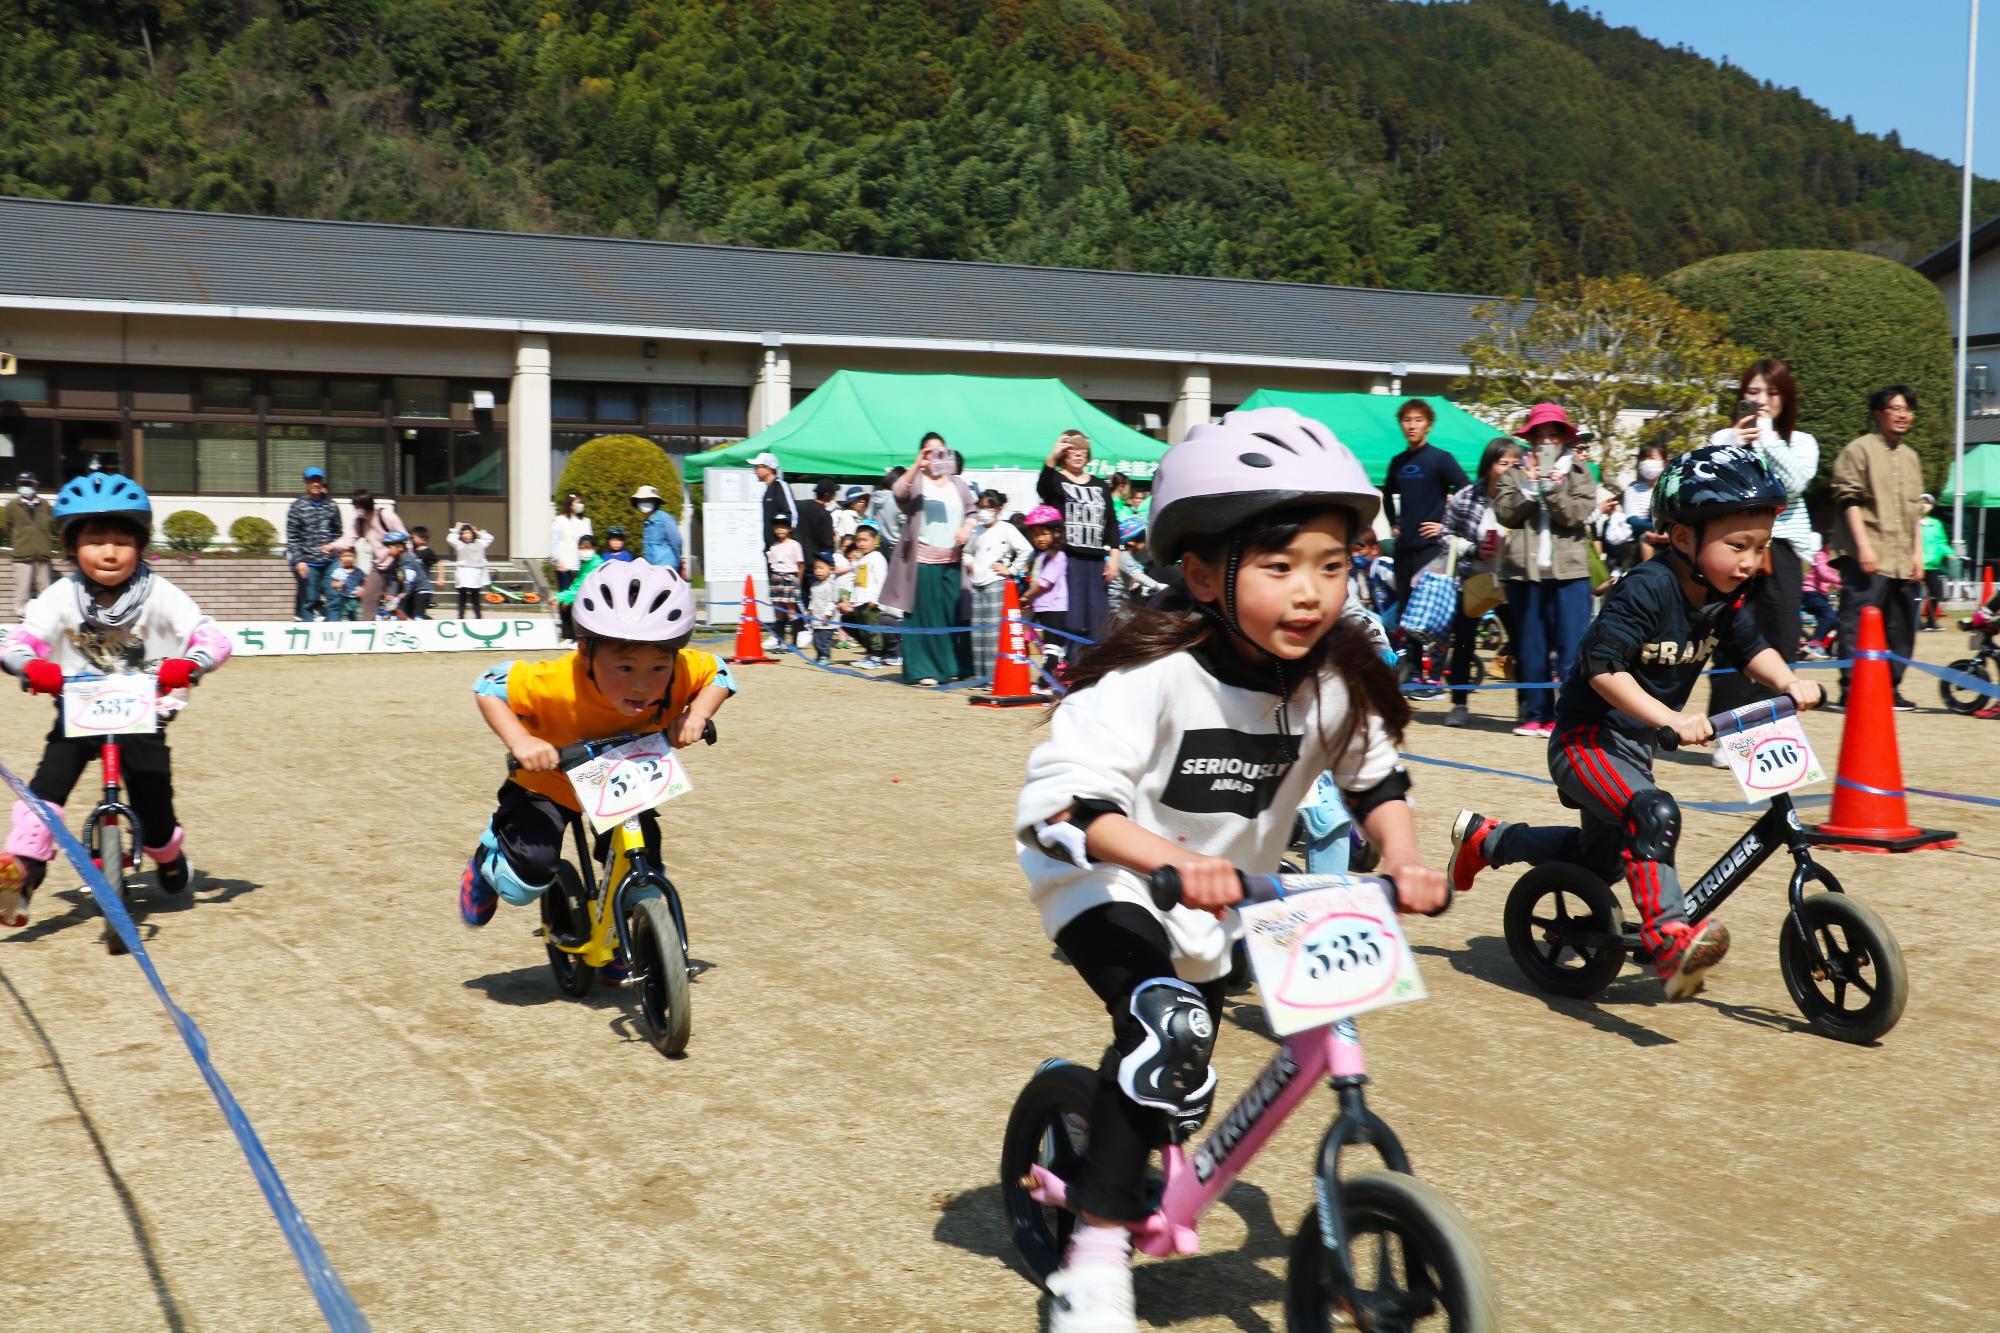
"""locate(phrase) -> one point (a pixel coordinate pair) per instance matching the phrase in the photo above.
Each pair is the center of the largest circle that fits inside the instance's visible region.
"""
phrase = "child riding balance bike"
(1187, 740)
(1636, 666)
(113, 616)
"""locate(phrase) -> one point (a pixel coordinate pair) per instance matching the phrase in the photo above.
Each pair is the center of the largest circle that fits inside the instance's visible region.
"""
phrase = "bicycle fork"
(1355, 1124)
(110, 809)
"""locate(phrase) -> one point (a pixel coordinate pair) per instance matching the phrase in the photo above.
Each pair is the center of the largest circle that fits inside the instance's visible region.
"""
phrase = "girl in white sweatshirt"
(1188, 739)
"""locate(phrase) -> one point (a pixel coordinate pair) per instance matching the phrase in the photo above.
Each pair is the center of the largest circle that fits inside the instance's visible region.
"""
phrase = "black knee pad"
(1169, 1069)
(1653, 826)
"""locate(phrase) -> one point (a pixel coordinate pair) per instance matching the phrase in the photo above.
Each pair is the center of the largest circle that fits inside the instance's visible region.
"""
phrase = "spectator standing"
(1792, 457)
(1134, 584)
(815, 534)
(995, 554)
(1048, 581)
(1469, 523)
(311, 524)
(1630, 519)
(1090, 532)
(883, 510)
(1878, 487)
(469, 571)
(924, 574)
(343, 588)
(1421, 479)
(660, 537)
(409, 586)
(570, 525)
(32, 534)
(851, 512)
(864, 592)
(1816, 600)
(823, 608)
(371, 523)
(425, 554)
(784, 560)
(777, 498)
(1124, 503)
(1546, 503)
(1937, 558)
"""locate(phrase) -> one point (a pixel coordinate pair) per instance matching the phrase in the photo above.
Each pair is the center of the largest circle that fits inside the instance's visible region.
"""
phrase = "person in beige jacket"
(1545, 562)
(1877, 542)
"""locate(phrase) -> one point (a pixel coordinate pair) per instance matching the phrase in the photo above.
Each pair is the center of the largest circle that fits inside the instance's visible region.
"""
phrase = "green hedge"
(188, 531)
(1847, 324)
(253, 535)
(606, 470)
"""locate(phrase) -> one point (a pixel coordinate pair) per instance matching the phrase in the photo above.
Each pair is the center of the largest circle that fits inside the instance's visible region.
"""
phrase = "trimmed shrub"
(253, 535)
(1847, 324)
(605, 471)
(188, 531)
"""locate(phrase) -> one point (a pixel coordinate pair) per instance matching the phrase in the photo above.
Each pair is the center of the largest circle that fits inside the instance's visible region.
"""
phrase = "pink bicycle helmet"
(632, 600)
(1042, 516)
(1248, 462)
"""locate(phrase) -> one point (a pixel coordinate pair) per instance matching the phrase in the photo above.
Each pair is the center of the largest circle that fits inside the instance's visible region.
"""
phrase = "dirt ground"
(477, 1151)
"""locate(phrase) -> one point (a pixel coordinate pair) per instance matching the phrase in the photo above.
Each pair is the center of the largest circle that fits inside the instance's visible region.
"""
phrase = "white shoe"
(13, 908)
(1458, 716)
(1092, 1298)
(1718, 760)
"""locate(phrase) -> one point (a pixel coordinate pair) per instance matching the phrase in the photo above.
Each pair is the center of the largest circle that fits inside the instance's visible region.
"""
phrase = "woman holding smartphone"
(1766, 410)
(924, 576)
(1546, 504)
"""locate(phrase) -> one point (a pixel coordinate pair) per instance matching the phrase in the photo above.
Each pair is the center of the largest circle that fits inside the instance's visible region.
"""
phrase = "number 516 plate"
(1770, 757)
(1328, 954)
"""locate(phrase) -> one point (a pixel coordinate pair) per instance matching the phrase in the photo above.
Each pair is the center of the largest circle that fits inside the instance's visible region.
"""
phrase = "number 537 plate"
(121, 705)
(633, 778)
(1327, 954)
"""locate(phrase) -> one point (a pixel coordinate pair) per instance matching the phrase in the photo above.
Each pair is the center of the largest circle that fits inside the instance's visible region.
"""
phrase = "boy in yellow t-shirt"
(631, 671)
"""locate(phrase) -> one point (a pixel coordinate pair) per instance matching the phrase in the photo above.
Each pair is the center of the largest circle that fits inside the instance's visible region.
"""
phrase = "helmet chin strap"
(1227, 615)
(1693, 565)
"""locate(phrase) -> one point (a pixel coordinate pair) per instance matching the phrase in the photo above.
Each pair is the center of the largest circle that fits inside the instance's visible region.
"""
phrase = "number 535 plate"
(1327, 954)
(633, 778)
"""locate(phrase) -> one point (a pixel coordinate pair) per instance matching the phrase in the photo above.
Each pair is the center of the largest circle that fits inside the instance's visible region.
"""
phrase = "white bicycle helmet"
(1226, 472)
(635, 601)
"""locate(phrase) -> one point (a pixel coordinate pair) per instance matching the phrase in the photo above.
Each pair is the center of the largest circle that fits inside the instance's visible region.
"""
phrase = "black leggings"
(474, 598)
(1114, 948)
(531, 827)
(148, 778)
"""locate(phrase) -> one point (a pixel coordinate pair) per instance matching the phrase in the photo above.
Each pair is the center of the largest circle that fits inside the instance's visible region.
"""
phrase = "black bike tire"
(1426, 1225)
(1965, 701)
(110, 839)
(664, 1001)
(1597, 967)
(565, 915)
(1858, 925)
(1057, 1098)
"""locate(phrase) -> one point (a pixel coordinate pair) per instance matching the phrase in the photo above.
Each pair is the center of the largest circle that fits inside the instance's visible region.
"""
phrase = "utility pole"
(1964, 292)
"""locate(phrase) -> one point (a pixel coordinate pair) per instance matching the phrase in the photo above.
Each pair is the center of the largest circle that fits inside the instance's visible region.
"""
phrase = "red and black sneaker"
(1699, 948)
(1468, 848)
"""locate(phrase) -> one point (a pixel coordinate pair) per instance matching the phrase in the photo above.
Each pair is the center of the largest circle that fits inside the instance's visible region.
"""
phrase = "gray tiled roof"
(101, 253)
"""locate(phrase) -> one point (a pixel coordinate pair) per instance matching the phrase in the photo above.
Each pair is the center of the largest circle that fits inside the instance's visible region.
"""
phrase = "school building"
(214, 357)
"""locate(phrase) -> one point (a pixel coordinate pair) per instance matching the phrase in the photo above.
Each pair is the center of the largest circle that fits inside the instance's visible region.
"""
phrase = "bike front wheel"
(1959, 699)
(566, 917)
(660, 959)
(1859, 992)
(1412, 1257)
(110, 854)
(1048, 1127)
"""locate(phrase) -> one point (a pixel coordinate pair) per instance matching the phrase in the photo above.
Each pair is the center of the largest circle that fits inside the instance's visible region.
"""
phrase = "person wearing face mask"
(995, 553)
(1792, 456)
(1628, 517)
(924, 575)
(373, 521)
(32, 534)
(570, 525)
(660, 538)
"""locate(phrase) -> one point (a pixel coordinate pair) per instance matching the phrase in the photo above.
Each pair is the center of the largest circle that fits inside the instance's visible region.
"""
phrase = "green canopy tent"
(1366, 424)
(1982, 492)
(861, 423)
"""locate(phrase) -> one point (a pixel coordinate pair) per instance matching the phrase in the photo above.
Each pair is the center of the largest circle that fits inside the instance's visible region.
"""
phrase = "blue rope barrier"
(336, 1306)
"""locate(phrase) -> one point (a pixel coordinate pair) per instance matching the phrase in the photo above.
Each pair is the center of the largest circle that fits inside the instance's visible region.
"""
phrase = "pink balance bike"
(1378, 1251)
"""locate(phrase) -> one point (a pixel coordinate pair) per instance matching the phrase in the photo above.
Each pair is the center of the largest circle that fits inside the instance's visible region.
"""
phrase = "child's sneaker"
(896, 661)
(172, 876)
(870, 663)
(1459, 716)
(1528, 728)
(1092, 1298)
(476, 895)
(15, 890)
(1701, 947)
(1469, 833)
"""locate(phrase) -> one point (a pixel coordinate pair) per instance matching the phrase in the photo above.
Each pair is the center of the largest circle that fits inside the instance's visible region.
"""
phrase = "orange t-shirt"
(557, 703)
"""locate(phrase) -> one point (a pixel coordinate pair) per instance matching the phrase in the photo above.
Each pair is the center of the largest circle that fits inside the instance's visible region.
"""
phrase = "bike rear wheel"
(1565, 930)
(659, 962)
(1413, 1258)
(1959, 699)
(1048, 1127)
(566, 917)
(109, 852)
(1860, 992)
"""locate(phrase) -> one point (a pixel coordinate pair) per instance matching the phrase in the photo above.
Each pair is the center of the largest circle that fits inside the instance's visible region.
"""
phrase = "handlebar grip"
(708, 732)
(1669, 738)
(1166, 887)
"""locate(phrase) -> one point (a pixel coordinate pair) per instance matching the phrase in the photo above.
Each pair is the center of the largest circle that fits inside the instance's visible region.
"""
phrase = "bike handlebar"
(569, 756)
(1165, 885)
(1737, 718)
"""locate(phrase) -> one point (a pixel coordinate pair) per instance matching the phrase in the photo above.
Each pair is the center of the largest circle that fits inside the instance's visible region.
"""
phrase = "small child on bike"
(1636, 666)
(113, 615)
(1189, 738)
(631, 671)
(1986, 620)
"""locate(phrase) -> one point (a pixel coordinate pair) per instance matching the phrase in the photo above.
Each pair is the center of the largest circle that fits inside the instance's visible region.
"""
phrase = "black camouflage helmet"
(1713, 480)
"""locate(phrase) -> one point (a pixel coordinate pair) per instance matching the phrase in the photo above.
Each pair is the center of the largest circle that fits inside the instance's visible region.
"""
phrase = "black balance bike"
(1568, 934)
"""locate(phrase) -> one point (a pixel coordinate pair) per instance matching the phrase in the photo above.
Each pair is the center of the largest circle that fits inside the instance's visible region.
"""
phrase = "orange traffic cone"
(1868, 798)
(749, 634)
(1011, 686)
(1986, 586)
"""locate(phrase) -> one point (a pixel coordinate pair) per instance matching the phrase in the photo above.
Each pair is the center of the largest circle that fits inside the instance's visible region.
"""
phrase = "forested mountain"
(1483, 146)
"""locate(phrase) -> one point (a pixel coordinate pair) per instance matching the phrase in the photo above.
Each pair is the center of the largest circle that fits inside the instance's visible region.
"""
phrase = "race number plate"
(1770, 757)
(110, 706)
(635, 777)
(1327, 954)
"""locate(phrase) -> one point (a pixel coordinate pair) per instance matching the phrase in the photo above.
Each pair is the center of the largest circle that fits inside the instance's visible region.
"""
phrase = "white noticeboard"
(1017, 484)
(732, 539)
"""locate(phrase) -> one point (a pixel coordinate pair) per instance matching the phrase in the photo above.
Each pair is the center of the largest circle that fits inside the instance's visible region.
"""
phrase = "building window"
(479, 463)
(162, 391)
(357, 458)
(617, 402)
(228, 393)
(569, 401)
(421, 398)
(90, 388)
(356, 397)
(291, 396)
(724, 408)
(226, 459)
(673, 405)
(29, 384)
(166, 455)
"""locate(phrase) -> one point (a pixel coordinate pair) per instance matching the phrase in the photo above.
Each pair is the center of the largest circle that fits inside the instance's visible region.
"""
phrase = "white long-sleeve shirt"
(1195, 760)
(468, 560)
(999, 542)
(1793, 462)
(53, 628)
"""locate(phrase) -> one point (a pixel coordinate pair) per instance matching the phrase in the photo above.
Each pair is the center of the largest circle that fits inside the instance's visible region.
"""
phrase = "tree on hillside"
(1847, 324)
(1601, 346)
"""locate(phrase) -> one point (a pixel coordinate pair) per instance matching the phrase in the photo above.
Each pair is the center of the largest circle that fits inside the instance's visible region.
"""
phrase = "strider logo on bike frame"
(1740, 861)
(1243, 1116)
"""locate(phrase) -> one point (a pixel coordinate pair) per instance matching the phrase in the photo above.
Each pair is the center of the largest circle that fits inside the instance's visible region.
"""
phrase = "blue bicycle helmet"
(102, 495)
(1131, 528)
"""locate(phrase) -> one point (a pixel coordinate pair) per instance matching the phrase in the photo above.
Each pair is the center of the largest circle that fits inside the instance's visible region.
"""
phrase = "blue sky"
(1897, 66)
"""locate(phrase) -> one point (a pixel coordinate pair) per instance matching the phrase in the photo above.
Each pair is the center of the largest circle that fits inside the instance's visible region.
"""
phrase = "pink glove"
(178, 671)
(43, 677)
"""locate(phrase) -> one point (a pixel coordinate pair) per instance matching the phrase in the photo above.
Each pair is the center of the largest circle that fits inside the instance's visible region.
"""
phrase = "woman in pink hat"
(1546, 504)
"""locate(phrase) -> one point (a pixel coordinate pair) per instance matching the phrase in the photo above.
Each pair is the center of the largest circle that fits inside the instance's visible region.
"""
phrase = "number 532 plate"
(629, 780)
(1327, 954)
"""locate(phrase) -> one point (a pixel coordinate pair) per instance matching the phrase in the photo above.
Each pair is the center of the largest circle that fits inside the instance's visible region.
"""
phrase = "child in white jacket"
(470, 573)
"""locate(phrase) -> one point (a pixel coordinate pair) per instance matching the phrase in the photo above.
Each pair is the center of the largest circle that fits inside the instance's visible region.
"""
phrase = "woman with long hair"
(924, 571)
(1470, 525)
